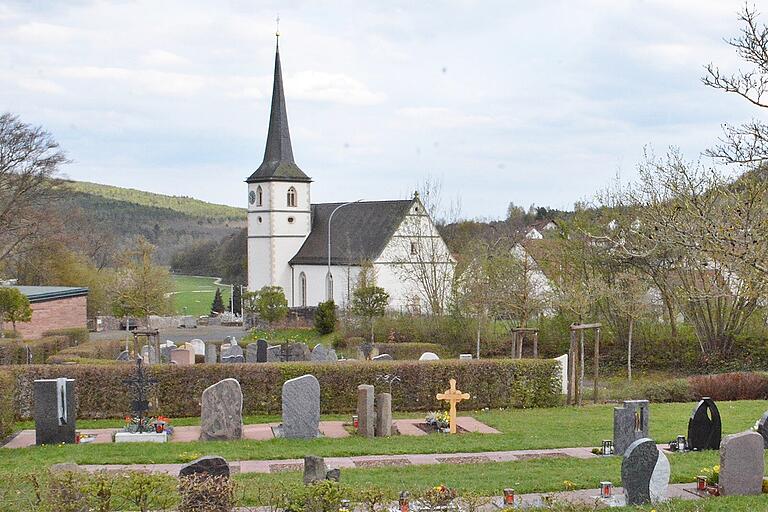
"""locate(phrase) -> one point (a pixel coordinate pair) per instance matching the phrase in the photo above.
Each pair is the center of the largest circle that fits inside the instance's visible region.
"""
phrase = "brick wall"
(54, 314)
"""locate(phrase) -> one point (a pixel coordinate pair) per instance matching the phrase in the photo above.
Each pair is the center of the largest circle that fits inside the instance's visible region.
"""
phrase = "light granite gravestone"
(644, 473)
(54, 411)
(332, 356)
(465, 357)
(762, 428)
(273, 354)
(231, 350)
(250, 353)
(383, 415)
(365, 413)
(182, 357)
(221, 412)
(211, 353)
(704, 426)
(294, 352)
(742, 464)
(428, 356)
(198, 346)
(165, 351)
(319, 353)
(261, 351)
(301, 408)
(315, 470)
(630, 423)
(383, 357)
(563, 360)
(211, 465)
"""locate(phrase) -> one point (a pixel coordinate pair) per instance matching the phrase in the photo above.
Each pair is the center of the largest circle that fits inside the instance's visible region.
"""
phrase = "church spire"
(278, 163)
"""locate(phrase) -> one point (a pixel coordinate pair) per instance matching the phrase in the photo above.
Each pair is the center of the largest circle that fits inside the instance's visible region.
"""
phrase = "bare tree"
(29, 161)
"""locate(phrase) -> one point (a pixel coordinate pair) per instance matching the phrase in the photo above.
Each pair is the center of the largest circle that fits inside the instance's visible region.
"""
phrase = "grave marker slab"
(429, 356)
(198, 346)
(301, 408)
(365, 414)
(54, 411)
(221, 413)
(383, 415)
(630, 423)
(273, 354)
(644, 473)
(124, 356)
(211, 465)
(704, 426)
(319, 353)
(261, 351)
(211, 353)
(183, 357)
(250, 353)
(742, 464)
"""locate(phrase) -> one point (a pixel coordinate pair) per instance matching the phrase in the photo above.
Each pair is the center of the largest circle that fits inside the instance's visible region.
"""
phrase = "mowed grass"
(521, 429)
(196, 294)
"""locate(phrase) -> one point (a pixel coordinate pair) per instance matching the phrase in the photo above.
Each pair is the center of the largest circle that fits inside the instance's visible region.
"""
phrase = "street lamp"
(328, 292)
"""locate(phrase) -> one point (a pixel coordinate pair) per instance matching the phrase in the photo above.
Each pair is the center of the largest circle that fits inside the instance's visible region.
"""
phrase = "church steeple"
(278, 164)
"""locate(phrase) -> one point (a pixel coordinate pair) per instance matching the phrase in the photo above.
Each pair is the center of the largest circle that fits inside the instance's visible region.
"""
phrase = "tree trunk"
(629, 350)
(477, 341)
(371, 330)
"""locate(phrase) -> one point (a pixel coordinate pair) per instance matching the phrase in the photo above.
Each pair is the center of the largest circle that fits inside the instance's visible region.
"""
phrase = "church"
(290, 239)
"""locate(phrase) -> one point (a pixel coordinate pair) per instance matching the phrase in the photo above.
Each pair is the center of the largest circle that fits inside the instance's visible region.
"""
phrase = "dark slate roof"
(45, 293)
(359, 232)
(278, 164)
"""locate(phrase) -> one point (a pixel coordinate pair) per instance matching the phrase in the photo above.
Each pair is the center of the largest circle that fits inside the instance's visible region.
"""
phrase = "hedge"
(75, 335)
(6, 404)
(107, 350)
(14, 351)
(492, 383)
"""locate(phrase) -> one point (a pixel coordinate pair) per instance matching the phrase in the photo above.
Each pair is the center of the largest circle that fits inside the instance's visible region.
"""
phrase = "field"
(193, 295)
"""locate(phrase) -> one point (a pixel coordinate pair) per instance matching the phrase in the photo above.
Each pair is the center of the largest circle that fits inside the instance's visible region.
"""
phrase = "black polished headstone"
(704, 426)
(261, 351)
(54, 411)
(211, 466)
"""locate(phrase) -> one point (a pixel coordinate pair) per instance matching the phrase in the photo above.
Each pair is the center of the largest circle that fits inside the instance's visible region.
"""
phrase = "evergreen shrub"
(325, 317)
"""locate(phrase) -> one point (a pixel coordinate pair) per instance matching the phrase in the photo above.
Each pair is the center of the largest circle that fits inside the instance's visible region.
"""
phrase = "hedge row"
(14, 351)
(107, 350)
(492, 383)
(6, 403)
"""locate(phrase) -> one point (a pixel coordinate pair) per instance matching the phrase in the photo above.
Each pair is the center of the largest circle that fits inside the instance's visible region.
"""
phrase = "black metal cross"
(140, 384)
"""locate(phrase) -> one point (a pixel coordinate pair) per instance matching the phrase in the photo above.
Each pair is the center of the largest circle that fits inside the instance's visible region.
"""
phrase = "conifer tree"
(218, 303)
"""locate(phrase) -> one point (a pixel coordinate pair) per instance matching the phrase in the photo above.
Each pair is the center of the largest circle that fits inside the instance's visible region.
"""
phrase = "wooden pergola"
(576, 362)
(518, 335)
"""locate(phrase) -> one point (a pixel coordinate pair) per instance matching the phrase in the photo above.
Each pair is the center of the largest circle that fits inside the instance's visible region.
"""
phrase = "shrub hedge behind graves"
(404, 351)
(730, 386)
(107, 350)
(6, 403)
(492, 383)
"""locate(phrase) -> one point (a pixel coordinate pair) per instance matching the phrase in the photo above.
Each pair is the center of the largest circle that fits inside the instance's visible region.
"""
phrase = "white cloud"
(138, 80)
(442, 117)
(40, 85)
(161, 58)
(330, 87)
(43, 33)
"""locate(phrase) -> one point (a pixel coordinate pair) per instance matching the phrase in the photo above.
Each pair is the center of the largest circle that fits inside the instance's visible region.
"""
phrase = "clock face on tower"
(251, 197)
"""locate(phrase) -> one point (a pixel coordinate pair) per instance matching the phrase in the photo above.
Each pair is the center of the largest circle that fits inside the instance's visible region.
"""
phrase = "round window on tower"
(259, 218)
(251, 197)
(290, 220)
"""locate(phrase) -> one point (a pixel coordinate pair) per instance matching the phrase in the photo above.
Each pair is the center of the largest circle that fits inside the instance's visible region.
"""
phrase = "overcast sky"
(525, 101)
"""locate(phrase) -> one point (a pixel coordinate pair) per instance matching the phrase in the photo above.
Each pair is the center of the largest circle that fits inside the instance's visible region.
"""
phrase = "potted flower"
(440, 421)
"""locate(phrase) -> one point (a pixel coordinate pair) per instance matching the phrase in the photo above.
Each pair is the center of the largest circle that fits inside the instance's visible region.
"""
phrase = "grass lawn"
(310, 337)
(196, 294)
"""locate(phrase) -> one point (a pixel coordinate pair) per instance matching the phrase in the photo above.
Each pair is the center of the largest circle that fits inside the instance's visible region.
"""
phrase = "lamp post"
(328, 293)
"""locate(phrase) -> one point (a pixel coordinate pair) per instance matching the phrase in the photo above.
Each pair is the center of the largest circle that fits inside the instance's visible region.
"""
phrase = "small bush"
(676, 390)
(730, 386)
(325, 317)
(203, 493)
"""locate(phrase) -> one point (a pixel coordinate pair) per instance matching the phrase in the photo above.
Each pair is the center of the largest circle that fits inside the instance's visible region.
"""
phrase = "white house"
(288, 242)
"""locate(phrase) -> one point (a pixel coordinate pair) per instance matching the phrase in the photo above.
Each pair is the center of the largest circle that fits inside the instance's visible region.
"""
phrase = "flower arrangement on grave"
(136, 424)
(82, 438)
(438, 497)
(712, 474)
(440, 421)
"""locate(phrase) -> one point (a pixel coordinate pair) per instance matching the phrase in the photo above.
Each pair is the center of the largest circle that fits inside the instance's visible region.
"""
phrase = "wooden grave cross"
(453, 396)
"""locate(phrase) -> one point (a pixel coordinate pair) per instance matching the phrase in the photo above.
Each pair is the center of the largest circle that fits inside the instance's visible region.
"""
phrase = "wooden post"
(520, 337)
(572, 369)
(535, 344)
(581, 358)
(596, 364)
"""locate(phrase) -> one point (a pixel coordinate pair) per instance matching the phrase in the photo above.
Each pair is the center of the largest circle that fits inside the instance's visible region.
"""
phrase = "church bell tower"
(279, 217)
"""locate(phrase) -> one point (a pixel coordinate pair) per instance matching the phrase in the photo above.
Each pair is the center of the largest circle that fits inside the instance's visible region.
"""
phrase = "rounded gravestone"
(221, 414)
(704, 426)
(742, 464)
(644, 473)
(301, 408)
(429, 356)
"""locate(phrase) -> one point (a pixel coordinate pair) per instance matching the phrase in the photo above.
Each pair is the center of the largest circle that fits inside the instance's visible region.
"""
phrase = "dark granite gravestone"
(261, 351)
(704, 426)
(54, 411)
(644, 473)
(630, 423)
(301, 408)
(366, 351)
(211, 465)
(742, 464)
(762, 428)
(319, 353)
(232, 351)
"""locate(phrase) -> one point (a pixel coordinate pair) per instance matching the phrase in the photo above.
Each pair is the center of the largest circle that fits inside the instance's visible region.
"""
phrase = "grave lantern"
(607, 447)
(404, 501)
(681, 444)
(355, 421)
(344, 506)
(606, 489)
(701, 483)
(509, 497)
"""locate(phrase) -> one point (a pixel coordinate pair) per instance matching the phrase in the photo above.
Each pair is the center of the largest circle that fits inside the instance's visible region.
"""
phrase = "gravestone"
(198, 346)
(365, 414)
(314, 469)
(229, 350)
(332, 356)
(221, 412)
(301, 408)
(54, 411)
(630, 423)
(428, 356)
(367, 351)
(211, 465)
(563, 360)
(124, 356)
(294, 352)
(183, 357)
(319, 353)
(383, 415)
(644, 473)
(261, 351)
(250, 353)
(742, 464)
(233, 359)
(211, 353)
(273, 354)
(383, 357)
(465, 357)
(762, 428)
(165, 351)
(704, 426)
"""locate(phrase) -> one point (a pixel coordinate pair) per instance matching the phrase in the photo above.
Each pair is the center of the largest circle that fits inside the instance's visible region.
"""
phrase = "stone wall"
(54, 314)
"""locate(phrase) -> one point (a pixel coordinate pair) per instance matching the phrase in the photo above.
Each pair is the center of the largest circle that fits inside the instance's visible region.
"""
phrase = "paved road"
(205, 333)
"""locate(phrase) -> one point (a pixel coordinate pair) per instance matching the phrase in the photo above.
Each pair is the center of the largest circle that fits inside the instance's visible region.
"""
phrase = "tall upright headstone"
(742, 464)
(301, 408)
(644, 473)
(211, 353)
(365, 414)
(319, 353)
(704, 426)
(383, 415)
(54, 411)
(221, 413)
(261, 351)
(250, 353)
(630, 423)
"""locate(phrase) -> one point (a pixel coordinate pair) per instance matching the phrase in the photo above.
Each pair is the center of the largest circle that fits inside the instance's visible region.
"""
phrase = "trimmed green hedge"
(107, 350)
(492, 383)
(14, 351)
(6, 403)
(75, 335)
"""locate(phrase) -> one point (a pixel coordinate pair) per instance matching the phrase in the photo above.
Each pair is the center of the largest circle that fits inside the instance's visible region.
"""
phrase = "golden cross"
(453, 396)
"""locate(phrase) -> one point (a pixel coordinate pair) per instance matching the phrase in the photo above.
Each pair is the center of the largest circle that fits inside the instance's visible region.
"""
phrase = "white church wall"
(344, 280)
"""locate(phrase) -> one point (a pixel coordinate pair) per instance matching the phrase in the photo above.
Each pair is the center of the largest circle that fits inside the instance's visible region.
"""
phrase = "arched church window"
(303, 288)
(259, 196)
(292, 197)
